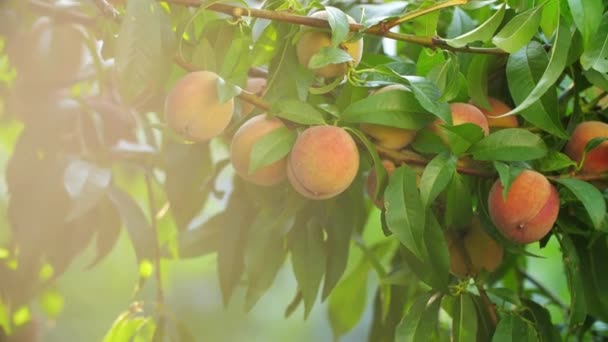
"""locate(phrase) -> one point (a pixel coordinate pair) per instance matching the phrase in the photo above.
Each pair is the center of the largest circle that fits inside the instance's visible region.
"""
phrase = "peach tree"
(460, 131)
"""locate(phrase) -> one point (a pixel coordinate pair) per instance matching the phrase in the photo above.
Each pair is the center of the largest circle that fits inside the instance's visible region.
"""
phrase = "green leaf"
(405, 213)
(226, 90)
(482, 33)
(381, 175)
(464, 326)
(541, 318)
(462, 137)
(557, 63)
(436, 177)
(446, 77)
(395, 108)
(554, 161)
(507, 175)
(420, 322)
(338, 21)
(271, 147)
(477, 80)
(134, 219)
(298, 112)
(510, 144)
(597, 79)
(596, 54)
(436, 269)
(572, 265)
(594, 278)
(587, 16)
(86, 184)
(265, 47)
(234, 66)
(590, 197)
(525, 68)
(429, 97)
(329, 55)
(5, 321)
(458, 203)
(513, 328)
(519, 30)
(144, 49)
(129, 325)
(308, 260)
(350, 293)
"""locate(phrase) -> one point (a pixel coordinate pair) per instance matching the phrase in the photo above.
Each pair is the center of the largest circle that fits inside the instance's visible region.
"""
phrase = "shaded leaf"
(510, 144)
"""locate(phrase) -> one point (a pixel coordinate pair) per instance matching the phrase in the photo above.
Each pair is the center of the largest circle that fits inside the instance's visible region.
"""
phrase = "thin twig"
(420, 12)
(237, 11)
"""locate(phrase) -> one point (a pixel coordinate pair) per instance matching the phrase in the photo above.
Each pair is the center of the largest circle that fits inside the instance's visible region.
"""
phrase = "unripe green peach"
(192, 107)
(499, 108)
(483, 251)
(242, 143)
(596, 160)
(530, 209)
(389, 137)
(323, 162)
(255, 85)
(314, 40)
(463, 113)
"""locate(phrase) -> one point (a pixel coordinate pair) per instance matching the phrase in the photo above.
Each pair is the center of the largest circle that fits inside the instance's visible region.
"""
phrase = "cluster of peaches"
(324, 160)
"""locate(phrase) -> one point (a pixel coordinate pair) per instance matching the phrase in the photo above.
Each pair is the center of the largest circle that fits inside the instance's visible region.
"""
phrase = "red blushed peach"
(463, 113)
(530, 209)
(597, 159)
(240, 149)
(483, 251)
(256, 86)
(192, 107)
(499, 108)
(314, 40)
(323, 162)
(389, 137)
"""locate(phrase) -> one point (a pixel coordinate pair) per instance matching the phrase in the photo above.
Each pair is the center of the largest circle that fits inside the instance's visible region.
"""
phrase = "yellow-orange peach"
(314, 40)
(498, 108)
(596, 160)
(530, 209)
(240, 149)
(192, 107)
(483, 251)
(255, 85)
(463, 113)
(323, 162)
(389, 137)
(389, 166)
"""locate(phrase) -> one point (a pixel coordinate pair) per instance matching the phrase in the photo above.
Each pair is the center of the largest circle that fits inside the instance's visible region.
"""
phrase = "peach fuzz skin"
(596, 160)
(240, 149)
(323, 162)
(530, 209)
(463, 113)
(499, 108)
(192, 107)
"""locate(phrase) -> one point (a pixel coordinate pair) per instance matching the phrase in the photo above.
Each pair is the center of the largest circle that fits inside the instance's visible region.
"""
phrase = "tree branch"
(237, 11)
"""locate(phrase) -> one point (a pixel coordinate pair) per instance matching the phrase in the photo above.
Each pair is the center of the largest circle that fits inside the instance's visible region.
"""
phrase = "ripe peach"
(255, 85)
(498, 108)
(389, 137)
(323, 162)
(597, 159)
(389, 166)
(192, 107)
(463, 113)
(484, 253)
(314, 40)
(529, 210)
(240, 149)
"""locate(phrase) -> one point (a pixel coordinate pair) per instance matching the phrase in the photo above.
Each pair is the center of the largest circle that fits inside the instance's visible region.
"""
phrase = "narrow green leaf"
(596, 54)
(270, 148)
(265, 47)
(477, 80)
(587, 16)
(511, 144)
(519, 30)
(436, 177)
(462, 137)
(554, 161)
(482, 33)
(557, 63)
(525, 68)
(329, 55)
(513, 328)
(572, 265)
(395, 108)
(429, 97)
(338, 21)
(381, 175)
(507, 174)
(298, 112)
(590, 197)
(464, 326)
(405, 213)
(420, 322)
(458, 203)
(447, 78)
(350, 293)
(541, 318)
